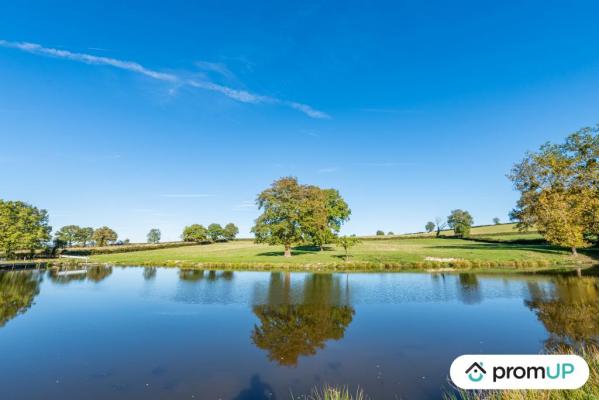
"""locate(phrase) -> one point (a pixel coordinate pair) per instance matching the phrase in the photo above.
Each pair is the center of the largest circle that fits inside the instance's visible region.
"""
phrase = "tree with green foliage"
(22, 227)
(347, 242)
(460, 221)
(104, 236)
(294, 213)
(559, 190)
(230, 231)
(390, 233)
(380, 233)
(154, 235)
(68, 234)
(496, 221)
(430, 226)
(194, 233)
(215, 232)
(283, 214)
(84, 236)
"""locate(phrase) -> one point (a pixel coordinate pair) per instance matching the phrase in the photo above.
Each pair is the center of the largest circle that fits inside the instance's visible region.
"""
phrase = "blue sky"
(144, 114)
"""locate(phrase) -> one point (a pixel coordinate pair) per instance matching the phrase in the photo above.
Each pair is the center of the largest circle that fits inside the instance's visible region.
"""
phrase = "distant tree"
(559, 187)
(230, 231)
(154, 235)
(496, 221)
(294, 213)
(84, 236)
(460, 221)
(441, 225)
(69, 234)
(347, 242)
(215, 232)
(194, 233)
(380, 233)
(22, 227)
(104, 236)
(390, 233)
(430, 226)
(126, 241)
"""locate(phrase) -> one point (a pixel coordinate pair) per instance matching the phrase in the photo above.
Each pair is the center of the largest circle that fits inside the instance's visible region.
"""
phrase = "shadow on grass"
(546, 249)
(298, 251)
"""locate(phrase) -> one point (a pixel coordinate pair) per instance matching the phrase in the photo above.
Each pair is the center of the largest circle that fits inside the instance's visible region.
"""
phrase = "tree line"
(214, 233)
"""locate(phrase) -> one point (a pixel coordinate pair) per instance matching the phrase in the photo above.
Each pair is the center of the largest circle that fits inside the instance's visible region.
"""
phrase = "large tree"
(69, 234)
(294, 213)
(283, 214)
(194, 233)
(22, 227)
(559, 190)
(104, 236)
(460, 221)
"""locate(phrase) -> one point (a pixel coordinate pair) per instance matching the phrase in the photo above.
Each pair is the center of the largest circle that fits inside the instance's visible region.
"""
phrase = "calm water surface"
(147, 333)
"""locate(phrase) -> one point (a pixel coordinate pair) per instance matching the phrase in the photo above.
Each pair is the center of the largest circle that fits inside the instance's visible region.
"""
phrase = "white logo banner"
(519, 371)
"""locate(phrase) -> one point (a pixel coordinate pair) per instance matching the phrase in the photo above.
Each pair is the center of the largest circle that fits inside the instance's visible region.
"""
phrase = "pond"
(160, 333)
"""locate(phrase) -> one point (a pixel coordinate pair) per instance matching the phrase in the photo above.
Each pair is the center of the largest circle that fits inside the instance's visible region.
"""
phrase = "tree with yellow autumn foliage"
(559, 188)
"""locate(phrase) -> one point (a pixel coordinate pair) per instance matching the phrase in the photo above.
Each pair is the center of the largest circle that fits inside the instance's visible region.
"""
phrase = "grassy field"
(369, 254)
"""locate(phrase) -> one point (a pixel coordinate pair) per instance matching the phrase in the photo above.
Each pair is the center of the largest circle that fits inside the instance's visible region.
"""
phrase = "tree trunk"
(574, 252)
(287, 250)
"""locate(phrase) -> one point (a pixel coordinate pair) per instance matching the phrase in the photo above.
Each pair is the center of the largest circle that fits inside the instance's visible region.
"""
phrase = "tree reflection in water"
(289, 330)
(98, 273)
(469, 289)
(569, 310)
(149, 273)
(17, 291)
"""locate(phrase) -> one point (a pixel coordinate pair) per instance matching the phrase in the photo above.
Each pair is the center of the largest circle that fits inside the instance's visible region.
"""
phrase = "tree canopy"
(22, 227)
(230, 231)
(195, 233)
(347, 242)
(68, 234)
(294, 213)
(215, 232)
(559, 190)
(430, 226)
(460, 221)
(104, 236)
(154, 235)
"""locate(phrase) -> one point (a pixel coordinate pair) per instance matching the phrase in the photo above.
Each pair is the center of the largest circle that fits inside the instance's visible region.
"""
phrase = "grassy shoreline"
(371, 255)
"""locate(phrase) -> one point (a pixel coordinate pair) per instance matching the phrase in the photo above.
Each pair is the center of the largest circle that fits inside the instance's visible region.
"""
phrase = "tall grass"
(333, 393)
(589, 391)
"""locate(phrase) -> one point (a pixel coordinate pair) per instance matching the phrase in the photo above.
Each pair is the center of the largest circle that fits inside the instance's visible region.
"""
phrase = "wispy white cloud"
(239, 95)
(309, 111)
(186, 195)
(217, 67)
(235, 94)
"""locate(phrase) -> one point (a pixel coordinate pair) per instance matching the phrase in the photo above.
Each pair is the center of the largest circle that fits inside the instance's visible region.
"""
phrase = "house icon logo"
(476, 372)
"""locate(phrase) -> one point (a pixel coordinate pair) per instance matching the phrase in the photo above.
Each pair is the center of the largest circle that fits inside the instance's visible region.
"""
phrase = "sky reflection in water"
(152, 333)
